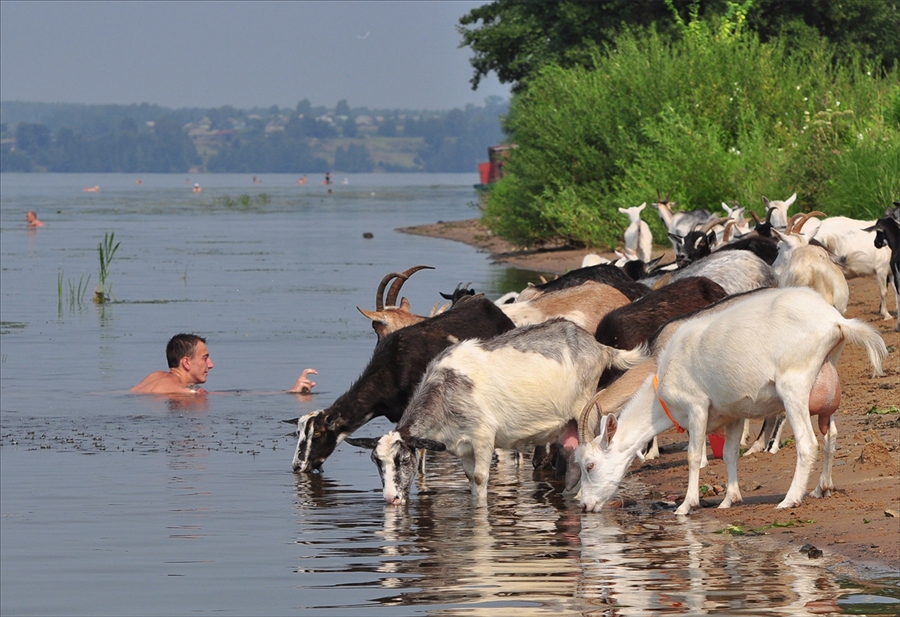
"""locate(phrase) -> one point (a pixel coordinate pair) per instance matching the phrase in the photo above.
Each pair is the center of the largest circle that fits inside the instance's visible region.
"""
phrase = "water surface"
(115, 504)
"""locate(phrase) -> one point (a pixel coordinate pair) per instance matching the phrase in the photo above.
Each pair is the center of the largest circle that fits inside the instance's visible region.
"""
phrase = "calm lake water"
(116, 504)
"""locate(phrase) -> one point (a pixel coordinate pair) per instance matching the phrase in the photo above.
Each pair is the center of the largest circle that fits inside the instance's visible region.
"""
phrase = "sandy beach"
(860, 522)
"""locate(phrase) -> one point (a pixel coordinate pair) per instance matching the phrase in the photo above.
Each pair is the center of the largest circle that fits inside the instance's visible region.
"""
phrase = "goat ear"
(641, 207)
(790, 200)
(426, 444)
(607, 429)
(292, 421)
(766, 201)
(676, 238)
(373, 315)
(404, 304)
(623, 210)
(368, 443)
(874, 227)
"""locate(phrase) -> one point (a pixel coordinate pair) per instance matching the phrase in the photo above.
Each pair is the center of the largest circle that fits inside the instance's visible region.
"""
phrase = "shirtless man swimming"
(189, 365)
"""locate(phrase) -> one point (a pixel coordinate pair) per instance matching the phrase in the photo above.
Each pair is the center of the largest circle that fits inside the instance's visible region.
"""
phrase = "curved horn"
(729, 229)
(755, 217)
(585, 417)
(793, 221)
(710, 224)
(379, 295)
(402, 278)
(802, 221)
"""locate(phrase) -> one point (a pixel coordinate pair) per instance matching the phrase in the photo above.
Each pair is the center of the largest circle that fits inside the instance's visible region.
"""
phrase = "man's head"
(188, 352)
(31, 216)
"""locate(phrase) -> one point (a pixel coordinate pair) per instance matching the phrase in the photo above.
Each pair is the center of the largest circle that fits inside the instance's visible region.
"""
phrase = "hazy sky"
(382, 55)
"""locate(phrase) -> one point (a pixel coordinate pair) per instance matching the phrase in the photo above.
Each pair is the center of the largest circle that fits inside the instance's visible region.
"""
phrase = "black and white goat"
(887, 234)
(519, 389)
(387, 382)
(708, 379)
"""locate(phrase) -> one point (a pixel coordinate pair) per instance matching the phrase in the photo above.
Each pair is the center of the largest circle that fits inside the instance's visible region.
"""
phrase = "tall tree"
(515, 38)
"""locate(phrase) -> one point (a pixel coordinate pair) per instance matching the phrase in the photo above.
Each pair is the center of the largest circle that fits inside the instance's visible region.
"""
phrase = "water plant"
(102, 293)
(74, 294)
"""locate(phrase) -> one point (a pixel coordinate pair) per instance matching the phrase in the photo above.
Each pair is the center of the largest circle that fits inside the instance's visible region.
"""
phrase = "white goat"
(637, 235)
(741, 225)
(518, 389)
(855, 249)
(711, 379)
(779, 217)
(802, 264)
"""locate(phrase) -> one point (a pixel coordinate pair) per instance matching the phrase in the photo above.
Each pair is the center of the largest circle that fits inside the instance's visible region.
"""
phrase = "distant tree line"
(305, 139)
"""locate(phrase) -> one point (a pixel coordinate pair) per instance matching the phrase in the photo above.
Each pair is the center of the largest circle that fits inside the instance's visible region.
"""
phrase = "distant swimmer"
(301, 180)
(327, 179)
(256, 180)
(139, 182)
(91, 189)
(345, 181)
(32, 219)
(197, 188)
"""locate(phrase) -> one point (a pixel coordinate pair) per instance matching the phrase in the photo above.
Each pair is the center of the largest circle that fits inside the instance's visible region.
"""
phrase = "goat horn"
(793, 221)
(586, 417)
(802, 221)
(755, 217)
(379, 295)
(710, 224)
(729, 228)
(401, 278)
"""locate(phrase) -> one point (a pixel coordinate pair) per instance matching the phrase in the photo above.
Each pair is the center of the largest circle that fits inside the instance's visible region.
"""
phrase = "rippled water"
(120, 504)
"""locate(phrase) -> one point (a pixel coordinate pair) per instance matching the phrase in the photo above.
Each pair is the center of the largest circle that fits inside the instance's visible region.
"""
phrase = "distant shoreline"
(551, 260)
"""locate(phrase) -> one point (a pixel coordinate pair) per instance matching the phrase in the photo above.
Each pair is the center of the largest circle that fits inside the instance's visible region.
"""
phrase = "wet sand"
(860, 520)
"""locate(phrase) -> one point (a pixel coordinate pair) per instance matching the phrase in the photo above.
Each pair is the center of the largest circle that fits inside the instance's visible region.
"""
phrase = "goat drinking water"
(708, 379)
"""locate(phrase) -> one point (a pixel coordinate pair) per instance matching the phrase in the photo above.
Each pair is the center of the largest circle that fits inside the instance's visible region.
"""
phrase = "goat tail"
(627, 359)
(860, 333)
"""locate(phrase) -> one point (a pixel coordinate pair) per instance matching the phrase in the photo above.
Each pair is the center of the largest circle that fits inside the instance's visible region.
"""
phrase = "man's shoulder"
(159, 382)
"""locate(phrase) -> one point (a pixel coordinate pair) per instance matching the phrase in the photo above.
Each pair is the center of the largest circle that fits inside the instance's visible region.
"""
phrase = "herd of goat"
(587, 369)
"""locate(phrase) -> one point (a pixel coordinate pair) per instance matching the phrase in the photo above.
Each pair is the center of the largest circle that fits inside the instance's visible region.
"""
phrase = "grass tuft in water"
(74, 293)
(103, 292)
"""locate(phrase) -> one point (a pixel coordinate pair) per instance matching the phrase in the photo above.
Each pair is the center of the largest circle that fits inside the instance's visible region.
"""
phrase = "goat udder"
(825, 396)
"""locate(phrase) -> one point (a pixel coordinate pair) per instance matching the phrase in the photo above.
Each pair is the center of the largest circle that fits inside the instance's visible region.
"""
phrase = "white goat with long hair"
(852, 241)
(800, 263)
(637, 235)
(707, 379)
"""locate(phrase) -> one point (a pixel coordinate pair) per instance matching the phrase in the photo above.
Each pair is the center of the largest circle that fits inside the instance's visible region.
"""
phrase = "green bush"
(717, 116)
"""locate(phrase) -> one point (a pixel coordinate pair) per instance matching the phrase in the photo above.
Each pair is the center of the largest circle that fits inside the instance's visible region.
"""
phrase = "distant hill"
(67, 137)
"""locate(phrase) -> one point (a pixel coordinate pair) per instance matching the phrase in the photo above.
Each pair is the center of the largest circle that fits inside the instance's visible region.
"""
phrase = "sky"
(380, 55)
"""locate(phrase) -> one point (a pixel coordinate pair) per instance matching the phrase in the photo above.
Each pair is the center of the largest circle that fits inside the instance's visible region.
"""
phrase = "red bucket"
(717, 443)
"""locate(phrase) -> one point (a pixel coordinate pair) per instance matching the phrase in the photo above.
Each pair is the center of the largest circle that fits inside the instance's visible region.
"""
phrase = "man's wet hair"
(181, 345)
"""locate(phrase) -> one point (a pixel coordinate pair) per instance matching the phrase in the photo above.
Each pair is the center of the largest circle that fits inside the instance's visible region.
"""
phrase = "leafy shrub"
(717, 116)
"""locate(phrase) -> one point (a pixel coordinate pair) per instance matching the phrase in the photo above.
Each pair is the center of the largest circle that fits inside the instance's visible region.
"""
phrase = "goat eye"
(589, 467)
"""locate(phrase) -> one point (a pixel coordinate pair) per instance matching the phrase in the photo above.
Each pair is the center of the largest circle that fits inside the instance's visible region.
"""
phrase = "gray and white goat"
(519, 389)
(708, 379)
(679, 223)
